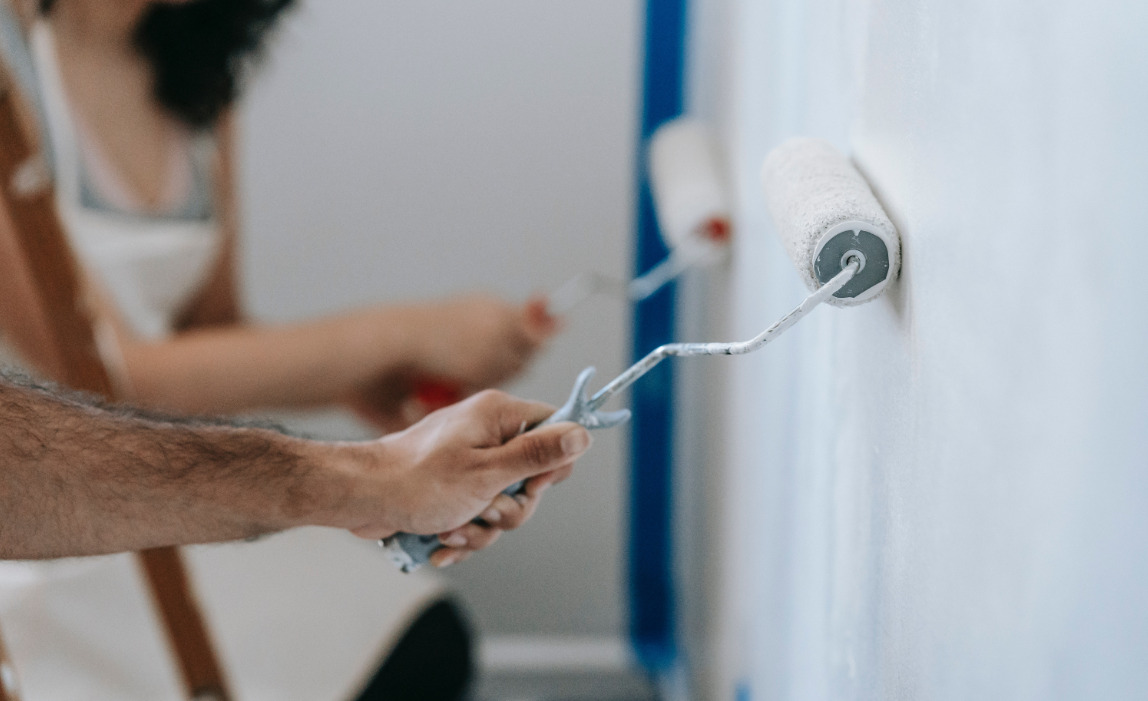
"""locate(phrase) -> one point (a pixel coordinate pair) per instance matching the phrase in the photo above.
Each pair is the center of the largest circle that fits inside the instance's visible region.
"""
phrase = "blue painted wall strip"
(651, 585)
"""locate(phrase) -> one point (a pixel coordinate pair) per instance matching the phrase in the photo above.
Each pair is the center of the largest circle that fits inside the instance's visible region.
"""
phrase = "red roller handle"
(435, 394)
(717, 229)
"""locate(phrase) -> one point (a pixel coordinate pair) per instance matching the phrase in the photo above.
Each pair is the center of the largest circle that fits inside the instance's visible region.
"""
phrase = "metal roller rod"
(680, 260)
(411, 551)
(660, 353)
(581, 287)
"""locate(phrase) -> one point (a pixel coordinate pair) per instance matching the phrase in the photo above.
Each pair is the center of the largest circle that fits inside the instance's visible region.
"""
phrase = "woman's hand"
(480, 341)
(457, 347)
(371, 359)
(390, 402)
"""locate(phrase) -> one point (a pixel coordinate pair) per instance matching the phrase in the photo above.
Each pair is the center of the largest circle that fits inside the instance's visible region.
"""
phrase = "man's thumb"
(543, 449)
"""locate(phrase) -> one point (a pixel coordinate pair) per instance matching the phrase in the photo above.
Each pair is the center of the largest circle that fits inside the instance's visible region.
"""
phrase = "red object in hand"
(435, 394)
(541, 322)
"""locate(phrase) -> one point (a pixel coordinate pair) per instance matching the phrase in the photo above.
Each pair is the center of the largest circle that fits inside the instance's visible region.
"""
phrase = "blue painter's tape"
(651, 582)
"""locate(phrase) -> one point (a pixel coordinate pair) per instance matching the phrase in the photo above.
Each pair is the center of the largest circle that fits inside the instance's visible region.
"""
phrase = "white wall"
(942, 494)
(398, 150)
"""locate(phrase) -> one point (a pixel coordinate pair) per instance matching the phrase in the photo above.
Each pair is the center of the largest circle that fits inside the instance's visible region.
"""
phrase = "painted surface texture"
(942, 494)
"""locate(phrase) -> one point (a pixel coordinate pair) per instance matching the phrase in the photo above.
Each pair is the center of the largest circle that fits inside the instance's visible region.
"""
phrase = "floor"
(554, 686)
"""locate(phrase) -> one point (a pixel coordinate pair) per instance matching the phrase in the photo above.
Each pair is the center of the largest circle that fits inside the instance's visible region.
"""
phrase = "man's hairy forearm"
(81, 479)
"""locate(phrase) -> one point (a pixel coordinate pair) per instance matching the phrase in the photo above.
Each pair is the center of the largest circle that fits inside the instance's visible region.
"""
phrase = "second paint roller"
(692, 207)
(838, 236)
(693, 211)
(842, 242)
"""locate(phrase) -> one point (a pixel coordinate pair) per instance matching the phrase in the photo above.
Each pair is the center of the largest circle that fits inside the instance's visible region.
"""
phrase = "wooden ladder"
(29, 196)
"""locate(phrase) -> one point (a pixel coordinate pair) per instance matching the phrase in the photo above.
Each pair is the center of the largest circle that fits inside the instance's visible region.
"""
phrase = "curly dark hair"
(200, 51)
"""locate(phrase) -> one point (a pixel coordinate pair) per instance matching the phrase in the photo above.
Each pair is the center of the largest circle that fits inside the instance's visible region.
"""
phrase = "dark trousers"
(434, 660)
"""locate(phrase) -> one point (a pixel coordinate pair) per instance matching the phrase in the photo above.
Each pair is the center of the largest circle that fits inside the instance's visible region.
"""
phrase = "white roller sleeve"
(814, 192)
(687, 183)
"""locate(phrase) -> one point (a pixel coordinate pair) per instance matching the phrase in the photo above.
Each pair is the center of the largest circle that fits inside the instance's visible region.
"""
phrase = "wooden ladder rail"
(28, 193)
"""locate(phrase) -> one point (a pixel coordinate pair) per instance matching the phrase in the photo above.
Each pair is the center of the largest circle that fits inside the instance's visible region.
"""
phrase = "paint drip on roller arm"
(839, 238)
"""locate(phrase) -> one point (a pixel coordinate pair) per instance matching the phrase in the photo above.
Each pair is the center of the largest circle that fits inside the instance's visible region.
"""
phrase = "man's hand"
(84, 479)
(504, 514)
(440, 474)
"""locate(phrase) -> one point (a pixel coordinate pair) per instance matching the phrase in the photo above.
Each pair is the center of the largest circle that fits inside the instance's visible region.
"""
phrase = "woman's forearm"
(475, 342)
(239, 368)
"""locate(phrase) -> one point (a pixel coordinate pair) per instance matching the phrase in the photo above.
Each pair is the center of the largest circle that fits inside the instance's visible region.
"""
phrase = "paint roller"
(692, 207)
(843, 244)
(694, 218)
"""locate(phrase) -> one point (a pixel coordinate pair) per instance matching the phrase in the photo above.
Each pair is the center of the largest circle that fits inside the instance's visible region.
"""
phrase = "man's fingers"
(372, 532)
(536, 485)
(509, 513)
(513, 415)
(472, 536)
(523, 415)
(504, 513)
(445, 557)
(540, 450)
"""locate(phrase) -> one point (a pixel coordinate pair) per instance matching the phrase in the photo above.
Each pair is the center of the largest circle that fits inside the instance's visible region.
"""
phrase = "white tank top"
(150, 265)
